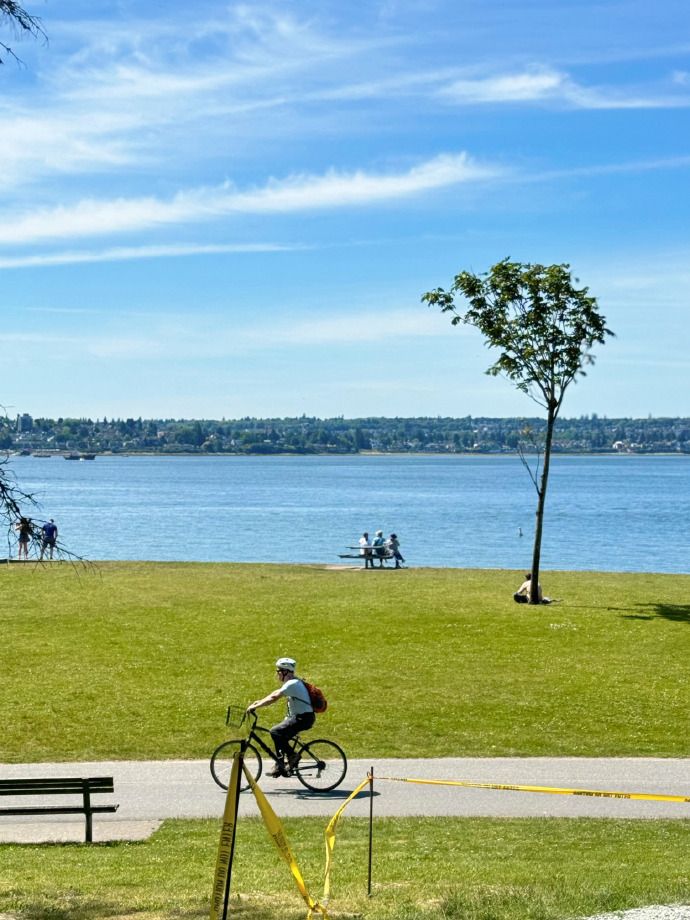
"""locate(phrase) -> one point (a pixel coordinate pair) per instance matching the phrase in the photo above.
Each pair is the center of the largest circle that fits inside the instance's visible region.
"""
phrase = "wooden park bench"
(83, 787)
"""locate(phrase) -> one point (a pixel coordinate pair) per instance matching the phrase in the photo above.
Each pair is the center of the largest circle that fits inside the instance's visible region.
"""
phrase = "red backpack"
(316, 697)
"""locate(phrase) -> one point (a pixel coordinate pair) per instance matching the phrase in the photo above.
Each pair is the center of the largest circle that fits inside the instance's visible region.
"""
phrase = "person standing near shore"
(24, 529)
(393, 545)
(49, 535)
(365, 551)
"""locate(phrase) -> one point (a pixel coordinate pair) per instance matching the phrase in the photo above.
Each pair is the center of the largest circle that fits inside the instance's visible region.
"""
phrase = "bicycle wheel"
(221, 763)
(322, 766)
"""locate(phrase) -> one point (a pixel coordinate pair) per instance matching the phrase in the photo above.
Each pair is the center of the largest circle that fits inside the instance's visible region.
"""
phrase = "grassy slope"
(140, 660)
(437, 869)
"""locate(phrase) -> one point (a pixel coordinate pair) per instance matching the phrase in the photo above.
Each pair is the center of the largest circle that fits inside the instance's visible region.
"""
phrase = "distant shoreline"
(363, 453)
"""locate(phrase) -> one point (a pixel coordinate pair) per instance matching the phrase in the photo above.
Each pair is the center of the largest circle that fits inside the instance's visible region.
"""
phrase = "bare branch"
(528, 433)
(21, 23)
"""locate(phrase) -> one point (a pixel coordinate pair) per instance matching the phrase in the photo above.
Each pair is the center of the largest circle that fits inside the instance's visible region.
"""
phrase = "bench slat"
(58, 810)
(66, 786)
(57, 779)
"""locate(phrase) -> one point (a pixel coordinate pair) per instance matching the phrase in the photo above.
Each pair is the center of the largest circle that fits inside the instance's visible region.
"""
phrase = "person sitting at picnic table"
(365, 551)
(521, 596)
(393, 547)
(379, 545)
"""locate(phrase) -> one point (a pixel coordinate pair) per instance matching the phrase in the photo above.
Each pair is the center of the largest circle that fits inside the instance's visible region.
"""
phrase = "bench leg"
(88, 813)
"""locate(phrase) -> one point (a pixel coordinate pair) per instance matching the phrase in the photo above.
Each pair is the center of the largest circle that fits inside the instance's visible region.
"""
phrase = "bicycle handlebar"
(250, 714)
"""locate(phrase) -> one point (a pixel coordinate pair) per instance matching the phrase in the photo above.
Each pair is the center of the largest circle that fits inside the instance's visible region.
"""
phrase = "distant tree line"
(310, 435)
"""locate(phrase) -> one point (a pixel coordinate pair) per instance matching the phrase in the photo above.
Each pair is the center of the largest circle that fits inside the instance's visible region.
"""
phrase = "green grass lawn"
(139, 660)
(424, 868)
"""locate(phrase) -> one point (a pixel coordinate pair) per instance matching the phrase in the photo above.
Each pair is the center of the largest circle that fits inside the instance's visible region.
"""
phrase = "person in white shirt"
(365, 551)
(300, 715)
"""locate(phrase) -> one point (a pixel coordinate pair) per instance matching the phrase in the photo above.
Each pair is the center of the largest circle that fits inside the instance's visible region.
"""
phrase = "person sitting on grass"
(521, 596)
(300, 715)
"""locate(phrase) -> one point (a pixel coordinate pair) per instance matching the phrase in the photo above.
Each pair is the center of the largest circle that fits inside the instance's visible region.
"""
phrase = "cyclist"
(300, 715)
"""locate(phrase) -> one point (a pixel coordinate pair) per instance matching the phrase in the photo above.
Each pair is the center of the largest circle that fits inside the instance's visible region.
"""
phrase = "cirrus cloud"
(296, 193)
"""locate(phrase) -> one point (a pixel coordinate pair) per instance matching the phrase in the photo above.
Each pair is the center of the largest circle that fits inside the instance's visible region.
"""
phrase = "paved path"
(151, 791)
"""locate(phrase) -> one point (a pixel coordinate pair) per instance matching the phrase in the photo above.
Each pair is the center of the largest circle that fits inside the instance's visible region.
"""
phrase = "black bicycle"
(319, 765)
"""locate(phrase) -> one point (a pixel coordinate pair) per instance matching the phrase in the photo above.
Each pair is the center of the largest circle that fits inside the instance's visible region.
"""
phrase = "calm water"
(606, 513)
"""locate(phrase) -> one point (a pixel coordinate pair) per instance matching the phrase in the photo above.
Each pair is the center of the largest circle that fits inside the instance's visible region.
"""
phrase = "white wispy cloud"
(136, 93)
(208, 336)
(541, 84)
(603, 169)
(123, 253)
(296, 193)
(513, 87)
(142, 91)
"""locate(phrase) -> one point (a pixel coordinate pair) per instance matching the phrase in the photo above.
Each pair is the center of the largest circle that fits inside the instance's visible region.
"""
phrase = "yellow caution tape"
(330, 839)
(551, 789)
(277, 834)
(227, 835)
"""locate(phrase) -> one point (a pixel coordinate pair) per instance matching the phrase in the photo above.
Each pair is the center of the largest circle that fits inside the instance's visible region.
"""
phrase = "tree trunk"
(536, 554)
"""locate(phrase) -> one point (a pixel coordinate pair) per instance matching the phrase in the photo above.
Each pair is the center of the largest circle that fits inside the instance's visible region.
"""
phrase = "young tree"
(22, 23)
(544, 328)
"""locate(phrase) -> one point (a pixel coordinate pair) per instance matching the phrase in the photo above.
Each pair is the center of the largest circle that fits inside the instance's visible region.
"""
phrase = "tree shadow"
(675, 613)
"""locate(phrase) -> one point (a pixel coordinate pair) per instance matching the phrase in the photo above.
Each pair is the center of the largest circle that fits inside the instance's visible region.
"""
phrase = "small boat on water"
(42, 455)
(88, 457)
(71, 456)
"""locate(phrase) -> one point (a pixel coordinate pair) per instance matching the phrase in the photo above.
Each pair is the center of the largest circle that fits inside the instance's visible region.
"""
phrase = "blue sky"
(234, 209)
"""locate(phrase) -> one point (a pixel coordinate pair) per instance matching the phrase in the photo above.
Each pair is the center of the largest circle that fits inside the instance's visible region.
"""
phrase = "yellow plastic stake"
(227, 843)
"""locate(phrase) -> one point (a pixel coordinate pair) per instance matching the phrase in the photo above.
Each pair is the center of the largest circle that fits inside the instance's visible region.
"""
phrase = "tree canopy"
(543, 326)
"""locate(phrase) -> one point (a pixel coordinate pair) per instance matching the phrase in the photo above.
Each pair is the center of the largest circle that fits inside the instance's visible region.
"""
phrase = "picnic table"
(380, 553)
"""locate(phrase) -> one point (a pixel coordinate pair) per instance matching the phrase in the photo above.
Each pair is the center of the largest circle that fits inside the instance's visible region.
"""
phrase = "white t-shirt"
(297, 697)
(363, 542)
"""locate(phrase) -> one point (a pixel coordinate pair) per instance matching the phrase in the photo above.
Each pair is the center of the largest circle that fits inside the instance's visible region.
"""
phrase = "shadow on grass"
(676, 613)
(334, 796)
(104, 910)
(73, 845)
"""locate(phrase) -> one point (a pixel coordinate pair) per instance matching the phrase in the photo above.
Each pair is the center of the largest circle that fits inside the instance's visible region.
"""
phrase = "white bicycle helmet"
(286, 664)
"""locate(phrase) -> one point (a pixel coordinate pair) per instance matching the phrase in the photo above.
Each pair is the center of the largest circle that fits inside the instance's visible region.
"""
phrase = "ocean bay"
(608, 513)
